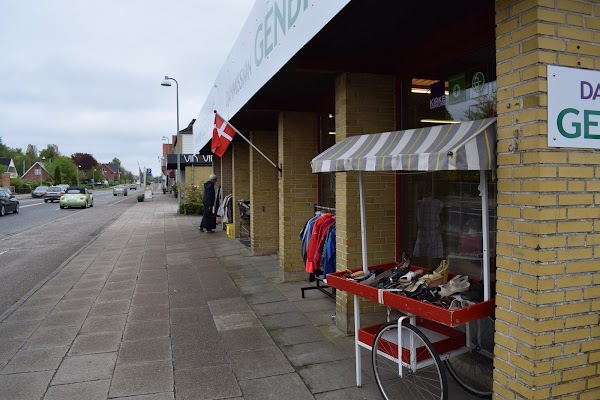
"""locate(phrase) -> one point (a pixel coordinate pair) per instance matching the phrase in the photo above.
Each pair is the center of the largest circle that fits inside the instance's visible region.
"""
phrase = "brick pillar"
(241, 179)
(548, 244)
(6, 179)
(364, 103)
(264, 194)
(226, 177)
(298, 145)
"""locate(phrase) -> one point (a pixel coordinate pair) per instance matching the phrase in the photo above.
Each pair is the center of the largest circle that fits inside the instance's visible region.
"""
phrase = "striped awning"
(469, 145)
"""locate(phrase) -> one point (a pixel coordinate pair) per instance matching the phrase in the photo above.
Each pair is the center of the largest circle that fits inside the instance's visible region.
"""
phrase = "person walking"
(209, 221)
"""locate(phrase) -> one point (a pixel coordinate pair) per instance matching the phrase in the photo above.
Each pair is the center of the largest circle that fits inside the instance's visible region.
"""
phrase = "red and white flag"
(223, 134)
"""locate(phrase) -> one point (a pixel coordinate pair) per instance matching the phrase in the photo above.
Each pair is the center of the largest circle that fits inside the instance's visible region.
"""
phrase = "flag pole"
(250, 143)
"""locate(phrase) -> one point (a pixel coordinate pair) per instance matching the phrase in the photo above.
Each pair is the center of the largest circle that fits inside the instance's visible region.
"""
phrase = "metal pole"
(178, 153)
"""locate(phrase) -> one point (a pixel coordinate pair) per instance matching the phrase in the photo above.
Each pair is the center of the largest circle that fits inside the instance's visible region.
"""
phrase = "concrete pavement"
(153, 309)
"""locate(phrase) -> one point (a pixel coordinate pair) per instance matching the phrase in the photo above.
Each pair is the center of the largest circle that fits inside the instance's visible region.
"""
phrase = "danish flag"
(223, 134)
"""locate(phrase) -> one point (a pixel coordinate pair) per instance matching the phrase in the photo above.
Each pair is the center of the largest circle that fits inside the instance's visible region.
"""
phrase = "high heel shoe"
(410, 276)
(439, 276)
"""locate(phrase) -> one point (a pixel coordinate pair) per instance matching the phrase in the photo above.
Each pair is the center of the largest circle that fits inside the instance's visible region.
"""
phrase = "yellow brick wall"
(364, 103)
(241, 179)
(226, 177)
(297, 145)
(548, 254)
(197, 175)
(264, 194)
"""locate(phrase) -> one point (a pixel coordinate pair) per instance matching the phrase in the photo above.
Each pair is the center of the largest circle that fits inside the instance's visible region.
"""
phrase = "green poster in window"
(456, 87)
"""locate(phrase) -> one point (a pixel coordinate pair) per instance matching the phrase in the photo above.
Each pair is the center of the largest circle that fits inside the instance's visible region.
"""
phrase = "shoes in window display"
(458, 284)
(439, 276)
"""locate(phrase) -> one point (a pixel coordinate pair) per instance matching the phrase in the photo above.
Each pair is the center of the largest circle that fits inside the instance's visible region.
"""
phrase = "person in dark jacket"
(209, 203)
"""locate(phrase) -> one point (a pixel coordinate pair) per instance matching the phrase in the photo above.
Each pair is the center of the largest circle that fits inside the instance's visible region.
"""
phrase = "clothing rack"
(320, 282)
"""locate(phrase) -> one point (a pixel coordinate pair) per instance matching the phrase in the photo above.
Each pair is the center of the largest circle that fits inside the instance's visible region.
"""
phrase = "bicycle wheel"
(474, 369)
(427, 381)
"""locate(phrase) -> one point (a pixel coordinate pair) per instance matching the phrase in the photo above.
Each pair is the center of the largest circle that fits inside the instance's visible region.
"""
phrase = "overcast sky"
(85, 74)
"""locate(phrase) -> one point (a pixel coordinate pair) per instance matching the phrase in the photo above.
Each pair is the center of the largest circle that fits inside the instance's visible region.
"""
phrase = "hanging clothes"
(313, 261)
(329, 256)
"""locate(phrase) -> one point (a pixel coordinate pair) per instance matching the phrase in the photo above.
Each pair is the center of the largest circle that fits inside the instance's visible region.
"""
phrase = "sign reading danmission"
(273, 33)
(573, 107)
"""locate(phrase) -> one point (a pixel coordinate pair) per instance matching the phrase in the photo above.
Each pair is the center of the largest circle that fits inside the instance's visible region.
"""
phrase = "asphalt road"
(37, 240)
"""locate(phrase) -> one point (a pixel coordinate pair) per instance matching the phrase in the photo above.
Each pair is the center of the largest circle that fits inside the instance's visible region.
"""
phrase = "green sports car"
(77, 197)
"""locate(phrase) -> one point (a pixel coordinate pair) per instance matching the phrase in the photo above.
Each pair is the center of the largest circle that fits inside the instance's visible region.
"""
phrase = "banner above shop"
(188, 159)
(573, 107)
(273, 33)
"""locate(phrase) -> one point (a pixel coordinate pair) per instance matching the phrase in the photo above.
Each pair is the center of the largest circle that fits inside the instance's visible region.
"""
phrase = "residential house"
(10, 166)
(37, 173)
(110, 171)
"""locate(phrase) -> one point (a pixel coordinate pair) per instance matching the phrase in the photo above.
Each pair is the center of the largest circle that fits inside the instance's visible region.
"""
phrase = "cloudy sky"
(85, 75)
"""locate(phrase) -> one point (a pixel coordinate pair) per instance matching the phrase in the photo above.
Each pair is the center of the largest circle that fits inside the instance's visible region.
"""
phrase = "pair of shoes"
(458, 284)
(411, 276)
(210, 231)
(439, 276)
(427, 294)
(201, 229)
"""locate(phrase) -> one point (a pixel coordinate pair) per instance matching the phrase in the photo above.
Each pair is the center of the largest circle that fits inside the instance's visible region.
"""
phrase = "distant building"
(37, 173)
(10, 166)
(110, 171)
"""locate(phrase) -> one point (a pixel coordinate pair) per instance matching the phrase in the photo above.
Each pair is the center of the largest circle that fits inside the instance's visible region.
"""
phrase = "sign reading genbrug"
(573, 107)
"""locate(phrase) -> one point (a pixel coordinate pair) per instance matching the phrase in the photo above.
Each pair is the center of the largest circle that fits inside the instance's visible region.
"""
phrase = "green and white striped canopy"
(469, 145)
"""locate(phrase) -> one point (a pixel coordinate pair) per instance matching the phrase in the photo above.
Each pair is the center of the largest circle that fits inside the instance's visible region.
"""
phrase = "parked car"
(64, 186)
(133, 186)
(39, 191)
(77, 197)
(5, 189)
(53, 193)
(8, 203)
(119, 189)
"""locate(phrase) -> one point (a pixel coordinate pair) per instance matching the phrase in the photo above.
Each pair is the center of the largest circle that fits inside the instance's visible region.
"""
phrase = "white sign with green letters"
(573, 107)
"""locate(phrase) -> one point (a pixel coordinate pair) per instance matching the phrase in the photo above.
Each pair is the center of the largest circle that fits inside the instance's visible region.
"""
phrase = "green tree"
(50, 152)
(57, 175)
(67, 168)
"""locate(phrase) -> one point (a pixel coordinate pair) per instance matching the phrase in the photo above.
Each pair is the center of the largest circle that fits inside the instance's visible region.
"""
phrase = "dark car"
(8, 203)
(53, 193)
(39, 191)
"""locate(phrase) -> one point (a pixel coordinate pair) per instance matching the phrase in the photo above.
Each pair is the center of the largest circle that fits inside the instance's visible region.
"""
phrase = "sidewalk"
(153, 309)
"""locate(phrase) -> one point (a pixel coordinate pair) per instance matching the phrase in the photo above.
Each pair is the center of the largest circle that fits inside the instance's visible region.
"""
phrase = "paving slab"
(146, 350)
(136, 330)
(27, 386)
(84, 368)
(144, 378)
(32, 360)
(93, 390)
(288, 386)
(105, 342)
(217, 382)
(259, 363)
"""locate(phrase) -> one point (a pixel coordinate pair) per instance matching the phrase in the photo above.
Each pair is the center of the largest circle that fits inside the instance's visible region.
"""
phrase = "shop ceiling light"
(441, 121)
(420, 90)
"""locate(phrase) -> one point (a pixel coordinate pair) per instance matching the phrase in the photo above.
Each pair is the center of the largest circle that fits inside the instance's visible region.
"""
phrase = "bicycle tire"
(425, 383)
(473, 370)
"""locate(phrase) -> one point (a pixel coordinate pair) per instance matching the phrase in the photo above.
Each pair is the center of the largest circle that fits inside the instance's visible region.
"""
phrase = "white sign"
(147, 194)
(573, 107)
(273, 33)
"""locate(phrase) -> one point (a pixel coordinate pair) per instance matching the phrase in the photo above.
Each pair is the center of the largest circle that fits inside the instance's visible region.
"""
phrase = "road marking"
(4, 252)
(31, 205)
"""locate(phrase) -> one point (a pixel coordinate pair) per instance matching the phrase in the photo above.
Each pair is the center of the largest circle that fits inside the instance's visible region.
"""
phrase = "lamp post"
(41, 170)
(79, 166)
(94, 178)
(166, 82)
(169, 151)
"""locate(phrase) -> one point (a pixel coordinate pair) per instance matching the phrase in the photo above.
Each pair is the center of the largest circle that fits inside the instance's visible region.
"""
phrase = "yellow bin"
(230, 231)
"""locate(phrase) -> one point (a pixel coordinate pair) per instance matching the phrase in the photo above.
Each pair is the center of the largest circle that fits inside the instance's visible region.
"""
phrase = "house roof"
(113, 167)
(41, 164)
(5, 161)
(189, 130)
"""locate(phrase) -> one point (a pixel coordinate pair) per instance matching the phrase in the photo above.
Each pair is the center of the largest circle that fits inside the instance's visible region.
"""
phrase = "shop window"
(439, 213)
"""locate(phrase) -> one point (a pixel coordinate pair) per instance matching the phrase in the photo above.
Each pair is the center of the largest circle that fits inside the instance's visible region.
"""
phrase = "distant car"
(133, 186)
(119, 189)
(5, 189)
(53, 193)
(8, 203)
(64, 186)
(77, 197)
(39, 192)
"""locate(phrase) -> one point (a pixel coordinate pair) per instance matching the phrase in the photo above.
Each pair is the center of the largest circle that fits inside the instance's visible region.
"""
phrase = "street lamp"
(166, 82)
(79, 166)
(41, 170)
(94, 178)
